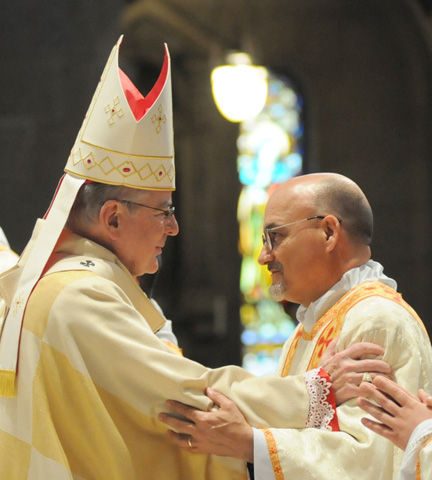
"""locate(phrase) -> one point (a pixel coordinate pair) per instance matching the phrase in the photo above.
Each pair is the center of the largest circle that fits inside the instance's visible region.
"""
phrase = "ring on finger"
(367, 377)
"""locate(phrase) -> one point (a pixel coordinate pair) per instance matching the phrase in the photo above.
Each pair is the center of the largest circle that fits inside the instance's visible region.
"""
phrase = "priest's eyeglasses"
(169, 212)
(268, 237)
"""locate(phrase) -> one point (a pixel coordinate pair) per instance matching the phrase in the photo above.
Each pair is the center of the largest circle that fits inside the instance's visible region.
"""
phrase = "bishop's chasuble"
(93, 376)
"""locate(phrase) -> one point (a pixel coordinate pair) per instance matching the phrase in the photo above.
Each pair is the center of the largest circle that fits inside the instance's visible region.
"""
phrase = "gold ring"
(190, 442)
(367, 377)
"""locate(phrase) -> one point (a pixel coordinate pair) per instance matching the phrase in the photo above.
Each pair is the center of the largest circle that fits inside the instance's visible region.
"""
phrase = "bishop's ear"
(109, 217)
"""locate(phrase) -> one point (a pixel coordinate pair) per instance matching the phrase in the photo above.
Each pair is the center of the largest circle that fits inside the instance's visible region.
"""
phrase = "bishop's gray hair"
(90, 199)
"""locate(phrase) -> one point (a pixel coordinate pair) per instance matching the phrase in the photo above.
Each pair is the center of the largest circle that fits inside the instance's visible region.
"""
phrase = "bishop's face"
(143, 231)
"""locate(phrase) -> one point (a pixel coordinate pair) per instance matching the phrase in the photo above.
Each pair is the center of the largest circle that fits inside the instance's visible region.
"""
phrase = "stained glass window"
(270, 151)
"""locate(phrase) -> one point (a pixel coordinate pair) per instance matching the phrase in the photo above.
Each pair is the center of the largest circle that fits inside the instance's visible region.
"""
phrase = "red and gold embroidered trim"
(274, 457)
(418, 466)
(291, 351)
(331, 399)
(333, 319)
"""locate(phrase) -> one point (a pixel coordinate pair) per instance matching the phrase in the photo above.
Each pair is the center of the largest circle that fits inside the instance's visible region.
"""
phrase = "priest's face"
(146, 223)
(293, 253)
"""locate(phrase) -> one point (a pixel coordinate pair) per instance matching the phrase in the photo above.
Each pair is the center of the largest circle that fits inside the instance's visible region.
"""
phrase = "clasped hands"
(348, 367)
(224, 430)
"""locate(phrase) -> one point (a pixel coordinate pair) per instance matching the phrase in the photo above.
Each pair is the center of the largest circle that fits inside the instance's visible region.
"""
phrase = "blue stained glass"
(259, 365)
(299, 131)
(270, 151)
(282, 172)
(267, 332)
(295, 162)
(277, 110)
(247, 172)
(286, 329)
(274, 88)
(249, 337)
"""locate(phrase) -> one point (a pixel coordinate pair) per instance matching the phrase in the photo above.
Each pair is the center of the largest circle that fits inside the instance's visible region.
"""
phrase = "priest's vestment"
(417, 460)
(424, 466)
(363, 306)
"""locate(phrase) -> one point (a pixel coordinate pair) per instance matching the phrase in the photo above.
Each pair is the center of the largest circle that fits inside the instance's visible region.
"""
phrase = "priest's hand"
(347, 368)
(425, 398)
(398, 411)
(223, 431)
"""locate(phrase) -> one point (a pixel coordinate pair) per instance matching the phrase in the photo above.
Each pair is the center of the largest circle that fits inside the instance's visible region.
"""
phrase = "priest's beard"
(277, 291)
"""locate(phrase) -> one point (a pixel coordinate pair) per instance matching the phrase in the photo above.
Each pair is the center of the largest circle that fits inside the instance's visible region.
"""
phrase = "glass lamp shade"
(239, 91)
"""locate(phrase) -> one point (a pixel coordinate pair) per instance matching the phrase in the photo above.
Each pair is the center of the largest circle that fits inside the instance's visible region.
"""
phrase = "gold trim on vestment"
(274, 457)
(333, 319)
(418, 466)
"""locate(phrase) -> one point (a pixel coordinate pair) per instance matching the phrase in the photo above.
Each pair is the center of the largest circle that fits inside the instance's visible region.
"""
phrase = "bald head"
(343, 198)
(321, 227)
(334, 194)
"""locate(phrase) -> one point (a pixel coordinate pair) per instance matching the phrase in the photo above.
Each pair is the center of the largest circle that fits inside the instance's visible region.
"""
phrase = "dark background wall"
(364, 69)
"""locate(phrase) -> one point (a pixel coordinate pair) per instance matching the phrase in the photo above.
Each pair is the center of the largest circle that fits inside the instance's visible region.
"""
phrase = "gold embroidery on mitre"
(107, 166)
(127, 169)
(160, 173)
(89, 161)
(159, 119)
(76, 156)
(114, 110)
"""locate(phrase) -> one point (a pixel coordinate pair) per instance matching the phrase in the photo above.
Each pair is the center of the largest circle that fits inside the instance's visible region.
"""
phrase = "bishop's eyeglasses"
(169, 212)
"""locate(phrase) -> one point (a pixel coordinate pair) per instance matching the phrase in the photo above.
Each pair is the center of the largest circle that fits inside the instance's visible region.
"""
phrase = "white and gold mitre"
(126, 138)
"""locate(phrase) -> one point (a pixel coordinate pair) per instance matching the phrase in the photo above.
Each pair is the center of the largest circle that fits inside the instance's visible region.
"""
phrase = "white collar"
(369, 271)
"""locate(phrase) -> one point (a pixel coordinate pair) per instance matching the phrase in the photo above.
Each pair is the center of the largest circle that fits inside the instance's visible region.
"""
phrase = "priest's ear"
(332, 230)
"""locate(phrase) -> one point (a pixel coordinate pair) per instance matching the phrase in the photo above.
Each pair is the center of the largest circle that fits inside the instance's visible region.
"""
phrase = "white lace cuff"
(322, 404)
